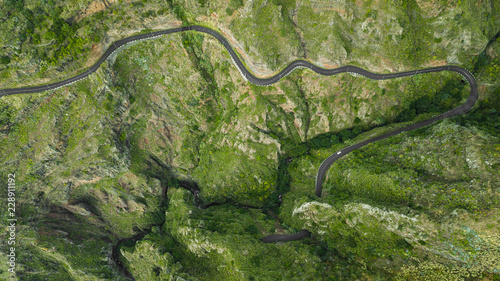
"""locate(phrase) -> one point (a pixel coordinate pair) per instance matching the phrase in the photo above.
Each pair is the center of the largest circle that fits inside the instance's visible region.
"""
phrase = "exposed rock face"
(387, 231)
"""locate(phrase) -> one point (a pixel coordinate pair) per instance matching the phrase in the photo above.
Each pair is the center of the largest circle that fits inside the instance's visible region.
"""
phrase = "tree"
(334, 139)
(356, 131)
(345, 134)
(4, 60)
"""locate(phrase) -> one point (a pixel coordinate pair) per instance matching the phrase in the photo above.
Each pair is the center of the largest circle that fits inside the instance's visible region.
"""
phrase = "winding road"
(247, 75)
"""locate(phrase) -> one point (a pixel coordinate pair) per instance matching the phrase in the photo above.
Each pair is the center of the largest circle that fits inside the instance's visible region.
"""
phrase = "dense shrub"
(448, 97)
(4, 60)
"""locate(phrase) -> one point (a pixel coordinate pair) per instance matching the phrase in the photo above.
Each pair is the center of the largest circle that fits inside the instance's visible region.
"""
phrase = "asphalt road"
(247, 75)
(471, 100)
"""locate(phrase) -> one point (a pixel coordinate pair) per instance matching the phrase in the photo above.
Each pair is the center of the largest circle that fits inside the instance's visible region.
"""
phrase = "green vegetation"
(34, 23)
(228, 249)
(6, 113)
(280, 43)
(415, 174)
(4, 60)
(446, 98)
(233, 5)
(113, 160)
(193, 42)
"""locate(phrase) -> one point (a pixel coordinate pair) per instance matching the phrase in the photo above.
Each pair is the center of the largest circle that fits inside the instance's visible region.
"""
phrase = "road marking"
(246, 74)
